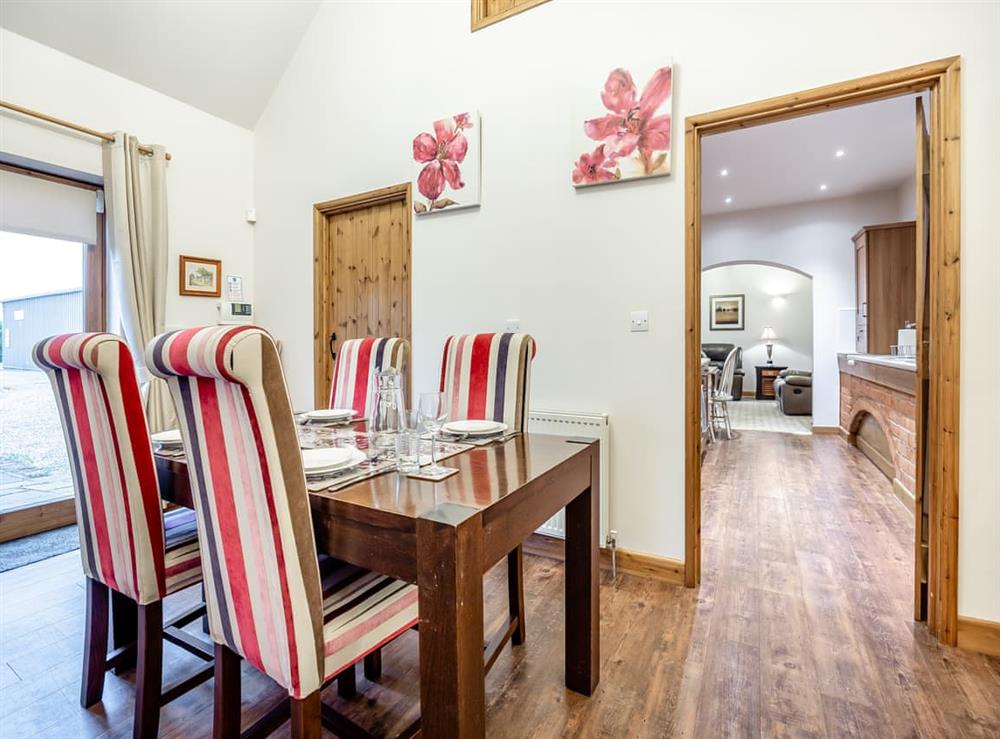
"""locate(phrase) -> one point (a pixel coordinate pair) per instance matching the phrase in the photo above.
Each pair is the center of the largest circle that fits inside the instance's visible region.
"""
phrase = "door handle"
(333, 338)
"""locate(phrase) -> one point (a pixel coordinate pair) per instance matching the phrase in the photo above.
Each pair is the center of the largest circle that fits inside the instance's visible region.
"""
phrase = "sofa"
(717, 354)
(794, 392)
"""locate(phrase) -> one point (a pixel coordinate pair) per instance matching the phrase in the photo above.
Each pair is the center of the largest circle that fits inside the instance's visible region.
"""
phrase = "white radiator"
(590, 425)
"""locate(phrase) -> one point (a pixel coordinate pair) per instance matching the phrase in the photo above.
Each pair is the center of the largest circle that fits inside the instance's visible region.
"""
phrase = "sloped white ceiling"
(222, 56)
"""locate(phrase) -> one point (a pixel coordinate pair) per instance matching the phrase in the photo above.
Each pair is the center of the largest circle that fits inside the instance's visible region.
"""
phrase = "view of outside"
(41, 283)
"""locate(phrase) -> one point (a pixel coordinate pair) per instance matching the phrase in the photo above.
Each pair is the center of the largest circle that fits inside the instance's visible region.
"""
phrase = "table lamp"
(769, 336)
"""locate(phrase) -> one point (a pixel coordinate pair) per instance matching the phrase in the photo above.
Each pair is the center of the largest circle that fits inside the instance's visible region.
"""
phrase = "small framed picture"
(201, 277)
(725, 313)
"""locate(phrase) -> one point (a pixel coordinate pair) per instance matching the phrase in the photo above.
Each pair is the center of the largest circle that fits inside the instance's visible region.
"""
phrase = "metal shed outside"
(30, 318)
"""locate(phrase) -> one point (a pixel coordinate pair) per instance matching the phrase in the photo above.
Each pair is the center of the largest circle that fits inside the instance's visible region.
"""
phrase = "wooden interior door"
(923, 497)
(361, 274)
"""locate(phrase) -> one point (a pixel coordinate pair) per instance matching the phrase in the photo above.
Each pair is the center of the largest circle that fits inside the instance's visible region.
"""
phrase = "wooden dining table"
(445, 535)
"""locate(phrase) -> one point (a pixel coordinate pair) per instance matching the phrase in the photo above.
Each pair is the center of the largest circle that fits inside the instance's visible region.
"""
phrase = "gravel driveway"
(33, 467)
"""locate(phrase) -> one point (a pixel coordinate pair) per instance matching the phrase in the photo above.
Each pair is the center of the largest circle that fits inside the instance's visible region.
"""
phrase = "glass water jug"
(387, 416)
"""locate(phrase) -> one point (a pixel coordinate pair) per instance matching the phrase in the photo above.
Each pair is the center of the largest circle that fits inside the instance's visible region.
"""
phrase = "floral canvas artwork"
(448, 161)
(631, 139)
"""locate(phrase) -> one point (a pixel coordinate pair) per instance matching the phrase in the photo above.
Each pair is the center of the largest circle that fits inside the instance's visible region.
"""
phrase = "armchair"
(793, 390)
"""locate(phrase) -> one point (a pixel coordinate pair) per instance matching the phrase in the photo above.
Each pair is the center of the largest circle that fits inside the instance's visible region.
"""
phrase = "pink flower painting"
(448, 158)
(633, 134)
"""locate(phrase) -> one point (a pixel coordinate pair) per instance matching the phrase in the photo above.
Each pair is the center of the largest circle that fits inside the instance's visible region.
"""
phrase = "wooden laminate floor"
(801, 628)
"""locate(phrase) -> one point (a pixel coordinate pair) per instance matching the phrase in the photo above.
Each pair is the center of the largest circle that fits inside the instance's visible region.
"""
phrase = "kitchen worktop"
(886, 360)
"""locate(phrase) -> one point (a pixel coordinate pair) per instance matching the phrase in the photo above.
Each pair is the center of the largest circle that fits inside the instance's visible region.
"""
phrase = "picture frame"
(726, 312)
(200, 277)
(447, 164)
(626, 127)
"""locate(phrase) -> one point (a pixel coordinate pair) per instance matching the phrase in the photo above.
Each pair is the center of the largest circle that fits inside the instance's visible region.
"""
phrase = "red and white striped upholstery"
(358, 361)
(486, 376)
(121, 523)
(263, 589)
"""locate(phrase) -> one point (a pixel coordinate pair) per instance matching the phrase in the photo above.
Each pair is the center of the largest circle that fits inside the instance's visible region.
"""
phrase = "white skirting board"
(590, 425)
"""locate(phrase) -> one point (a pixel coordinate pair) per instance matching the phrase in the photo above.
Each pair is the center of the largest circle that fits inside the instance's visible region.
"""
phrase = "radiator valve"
(612, 543)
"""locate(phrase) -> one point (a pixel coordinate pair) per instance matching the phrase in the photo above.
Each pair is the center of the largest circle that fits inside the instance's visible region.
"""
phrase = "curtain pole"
(67, 124)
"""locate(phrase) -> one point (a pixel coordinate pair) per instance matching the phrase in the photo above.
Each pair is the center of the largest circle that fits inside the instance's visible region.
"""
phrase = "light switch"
(513, 325)
(640, 320)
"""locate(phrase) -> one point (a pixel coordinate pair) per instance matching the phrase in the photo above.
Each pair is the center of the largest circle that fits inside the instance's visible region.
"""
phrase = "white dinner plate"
(168, 438)
(474, 428)
(319, 461)
(330, 414)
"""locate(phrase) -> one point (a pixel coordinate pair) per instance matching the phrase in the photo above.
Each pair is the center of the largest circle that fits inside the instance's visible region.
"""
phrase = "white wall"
(774, 297)
(209, 180)
(906, 200)
(572, 264)
(814, 238)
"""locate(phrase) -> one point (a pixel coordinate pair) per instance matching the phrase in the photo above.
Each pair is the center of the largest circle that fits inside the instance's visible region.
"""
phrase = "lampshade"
(768, 334)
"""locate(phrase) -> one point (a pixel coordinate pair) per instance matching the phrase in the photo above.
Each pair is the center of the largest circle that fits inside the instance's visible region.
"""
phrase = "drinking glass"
(368, 444)
(408, 444)
(433, 414)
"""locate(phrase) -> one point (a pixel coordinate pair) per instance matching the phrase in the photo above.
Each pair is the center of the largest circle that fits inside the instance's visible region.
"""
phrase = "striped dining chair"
(358, 363)
(128, 545)
(487, 376)
(268, 600)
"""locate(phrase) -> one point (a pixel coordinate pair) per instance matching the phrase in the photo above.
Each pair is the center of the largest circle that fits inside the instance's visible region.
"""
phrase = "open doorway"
(934, 338)
(771, 334)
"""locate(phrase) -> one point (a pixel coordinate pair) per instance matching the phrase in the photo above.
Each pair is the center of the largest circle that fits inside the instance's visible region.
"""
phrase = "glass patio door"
(50, 283)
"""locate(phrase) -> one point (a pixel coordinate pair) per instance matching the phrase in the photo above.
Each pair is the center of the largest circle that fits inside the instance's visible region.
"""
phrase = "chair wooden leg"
(204, 619)
(95, 644)
(148, 678)
(125, 626)
(515, 592)
(373, 665)
(226, 724)
(306, 717)
(347, 682)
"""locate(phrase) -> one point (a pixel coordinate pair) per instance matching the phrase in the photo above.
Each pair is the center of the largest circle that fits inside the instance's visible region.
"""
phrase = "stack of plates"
(326, 462)
(169, 440)
(474, 428)
(329, 415)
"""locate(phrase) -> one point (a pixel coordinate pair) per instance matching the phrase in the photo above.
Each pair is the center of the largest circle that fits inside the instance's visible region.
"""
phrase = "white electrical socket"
(640, 320)
(513, 324)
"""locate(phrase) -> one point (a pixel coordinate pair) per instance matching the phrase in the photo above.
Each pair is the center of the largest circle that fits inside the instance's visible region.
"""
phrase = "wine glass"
(431, 409)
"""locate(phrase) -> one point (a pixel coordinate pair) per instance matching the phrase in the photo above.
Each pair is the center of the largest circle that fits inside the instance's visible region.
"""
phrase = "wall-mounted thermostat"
(231, 312)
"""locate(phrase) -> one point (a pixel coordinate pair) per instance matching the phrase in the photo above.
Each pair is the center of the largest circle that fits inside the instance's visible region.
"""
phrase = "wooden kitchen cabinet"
(885, 263)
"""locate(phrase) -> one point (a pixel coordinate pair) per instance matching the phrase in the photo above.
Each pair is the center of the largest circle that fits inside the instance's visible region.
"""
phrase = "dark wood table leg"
(124, 628)
(450, 578)
(515, 593)
(583, 613)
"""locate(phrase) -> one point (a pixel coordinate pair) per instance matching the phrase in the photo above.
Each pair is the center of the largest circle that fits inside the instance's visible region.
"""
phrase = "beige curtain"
(135, 191)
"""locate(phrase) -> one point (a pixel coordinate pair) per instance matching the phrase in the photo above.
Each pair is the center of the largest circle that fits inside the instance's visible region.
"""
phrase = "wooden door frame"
(321, 266)
(939, 360)
(34, 519)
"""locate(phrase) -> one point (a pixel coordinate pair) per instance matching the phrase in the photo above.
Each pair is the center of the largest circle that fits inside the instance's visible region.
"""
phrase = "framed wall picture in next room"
(726, 313)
